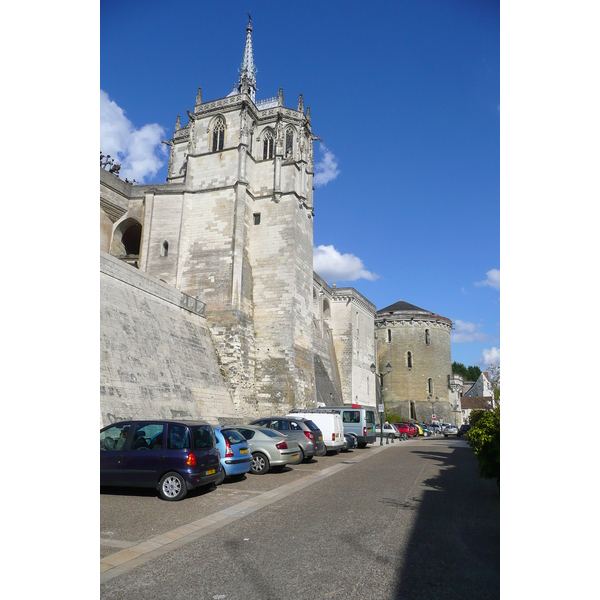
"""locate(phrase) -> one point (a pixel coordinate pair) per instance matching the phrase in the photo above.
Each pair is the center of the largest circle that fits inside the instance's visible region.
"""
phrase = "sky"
(406, 99)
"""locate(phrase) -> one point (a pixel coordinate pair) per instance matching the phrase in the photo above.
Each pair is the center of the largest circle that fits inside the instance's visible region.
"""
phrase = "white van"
(329, 422)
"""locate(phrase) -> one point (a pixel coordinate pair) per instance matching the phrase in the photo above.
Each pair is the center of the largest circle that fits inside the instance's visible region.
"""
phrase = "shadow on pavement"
(454, 549)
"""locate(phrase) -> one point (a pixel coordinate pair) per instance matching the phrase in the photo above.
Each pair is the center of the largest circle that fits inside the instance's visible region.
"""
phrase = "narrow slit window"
(257, 218)
(430, 386)
(389, 335)
(409, 360)
(164, 249)
(427, 338)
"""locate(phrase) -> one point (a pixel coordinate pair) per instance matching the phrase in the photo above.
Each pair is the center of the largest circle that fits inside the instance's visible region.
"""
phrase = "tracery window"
(268, 144)
(289, 142)
(218, 135)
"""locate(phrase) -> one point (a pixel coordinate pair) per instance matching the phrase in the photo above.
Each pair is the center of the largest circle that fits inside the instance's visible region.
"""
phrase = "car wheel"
(301, 456)
(172, 487)
(260, 463)
(362, 445)
(223, 475)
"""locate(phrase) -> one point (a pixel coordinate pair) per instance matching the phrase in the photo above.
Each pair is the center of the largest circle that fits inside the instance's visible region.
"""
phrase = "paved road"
(408, 520)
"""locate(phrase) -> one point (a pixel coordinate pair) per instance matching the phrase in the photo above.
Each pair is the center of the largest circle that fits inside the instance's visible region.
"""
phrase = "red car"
(404, 430)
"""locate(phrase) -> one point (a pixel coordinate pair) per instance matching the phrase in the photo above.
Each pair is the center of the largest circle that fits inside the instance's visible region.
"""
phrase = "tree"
(494, 377)
(467, 373)
(484, 438)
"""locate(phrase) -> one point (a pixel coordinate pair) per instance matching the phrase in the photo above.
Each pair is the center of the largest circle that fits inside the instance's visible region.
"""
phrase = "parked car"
(436, 428)
(412, 430)
(463, 429)
(329, 422)
(357, 420)
(269, 448)
(426, 431)
(171, 456)
(418, 428)
(451, 430)
(403, 430)
(236, 458)
(304, 431)
(350, 442)
(389, 431)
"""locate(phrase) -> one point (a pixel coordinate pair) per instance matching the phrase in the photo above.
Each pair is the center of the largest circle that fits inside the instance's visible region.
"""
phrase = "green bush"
(393, 417)
(484, 438)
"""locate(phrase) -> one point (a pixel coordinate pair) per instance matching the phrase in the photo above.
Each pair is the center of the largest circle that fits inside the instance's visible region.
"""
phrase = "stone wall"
(157, 359)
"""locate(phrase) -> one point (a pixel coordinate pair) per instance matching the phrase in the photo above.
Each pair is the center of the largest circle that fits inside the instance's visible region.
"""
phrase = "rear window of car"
(311, 425)
(370, 416)
(203, 436)
(233, 436)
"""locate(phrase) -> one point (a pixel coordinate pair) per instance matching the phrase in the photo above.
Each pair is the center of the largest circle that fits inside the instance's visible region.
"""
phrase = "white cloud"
(139, 151)
(490, 356)
(493, 279)
(464, 332)
(326, 169)
(333, 266)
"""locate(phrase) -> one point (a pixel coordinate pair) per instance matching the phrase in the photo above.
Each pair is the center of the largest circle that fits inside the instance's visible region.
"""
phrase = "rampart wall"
(158, 360)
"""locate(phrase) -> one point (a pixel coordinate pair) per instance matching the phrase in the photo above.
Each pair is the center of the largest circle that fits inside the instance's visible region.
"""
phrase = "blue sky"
(406, 98)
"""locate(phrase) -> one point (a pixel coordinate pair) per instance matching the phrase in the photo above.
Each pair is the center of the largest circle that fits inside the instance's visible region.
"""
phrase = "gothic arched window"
(289, 142)
(268, 144)
(218, 135)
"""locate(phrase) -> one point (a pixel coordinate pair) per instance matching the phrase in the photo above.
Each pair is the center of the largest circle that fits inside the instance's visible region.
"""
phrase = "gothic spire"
(248, 70)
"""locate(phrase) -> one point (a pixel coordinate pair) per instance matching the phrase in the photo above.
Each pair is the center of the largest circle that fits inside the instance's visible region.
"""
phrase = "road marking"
(138, 554)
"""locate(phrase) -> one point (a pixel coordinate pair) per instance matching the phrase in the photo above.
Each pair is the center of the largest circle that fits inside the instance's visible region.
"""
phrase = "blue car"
(236, 458)
(170, 456)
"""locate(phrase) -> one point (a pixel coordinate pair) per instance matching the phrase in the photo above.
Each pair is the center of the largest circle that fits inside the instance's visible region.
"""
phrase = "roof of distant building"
(474, 403)
(405, 309)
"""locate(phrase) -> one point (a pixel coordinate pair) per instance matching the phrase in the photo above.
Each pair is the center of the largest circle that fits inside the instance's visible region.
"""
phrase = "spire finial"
(248, 70)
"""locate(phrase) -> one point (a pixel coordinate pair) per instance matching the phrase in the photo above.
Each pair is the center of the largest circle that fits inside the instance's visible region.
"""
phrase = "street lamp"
(388, 368)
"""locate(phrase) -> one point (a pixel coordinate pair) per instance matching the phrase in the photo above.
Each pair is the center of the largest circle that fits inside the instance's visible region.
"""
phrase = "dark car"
(304, 431)
(171, 456)
(463, 429)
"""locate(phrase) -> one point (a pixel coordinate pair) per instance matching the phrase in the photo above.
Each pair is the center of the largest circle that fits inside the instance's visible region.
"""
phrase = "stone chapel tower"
(233, 227)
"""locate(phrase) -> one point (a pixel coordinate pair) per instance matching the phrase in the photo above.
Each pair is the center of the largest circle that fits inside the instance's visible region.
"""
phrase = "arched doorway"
(126, 241)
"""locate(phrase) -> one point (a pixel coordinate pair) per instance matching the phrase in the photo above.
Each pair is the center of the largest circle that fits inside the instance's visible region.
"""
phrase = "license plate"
(244, 451)
(294, 456)
(320, 438)
(211, 471)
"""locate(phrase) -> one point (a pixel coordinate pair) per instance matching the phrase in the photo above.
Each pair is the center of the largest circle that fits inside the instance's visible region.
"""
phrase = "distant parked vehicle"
(403, 430)
(463, 429)
(236, 458)
(269, 448)
(417, 427)
(436, 428)
(452, 430)
(350, 442)
(171, 456)
(304, 431)
(389, 431)
(358, 420)
(329, 422)
(426, 431)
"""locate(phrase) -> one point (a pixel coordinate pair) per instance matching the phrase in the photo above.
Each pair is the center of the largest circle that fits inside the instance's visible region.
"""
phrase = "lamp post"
(388, 368)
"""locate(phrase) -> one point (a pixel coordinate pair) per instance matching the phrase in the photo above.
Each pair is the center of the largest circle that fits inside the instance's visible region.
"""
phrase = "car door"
(145, 455)
(113, 441)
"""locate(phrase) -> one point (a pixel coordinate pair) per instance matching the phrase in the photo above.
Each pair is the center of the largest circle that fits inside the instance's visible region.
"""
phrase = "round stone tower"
(416, 343)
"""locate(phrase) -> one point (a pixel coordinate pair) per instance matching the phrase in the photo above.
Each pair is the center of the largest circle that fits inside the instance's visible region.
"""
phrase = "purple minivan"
(171, 456)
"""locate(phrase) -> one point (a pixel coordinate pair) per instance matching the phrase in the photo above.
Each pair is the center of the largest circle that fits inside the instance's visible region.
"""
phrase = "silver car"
(269, 448)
